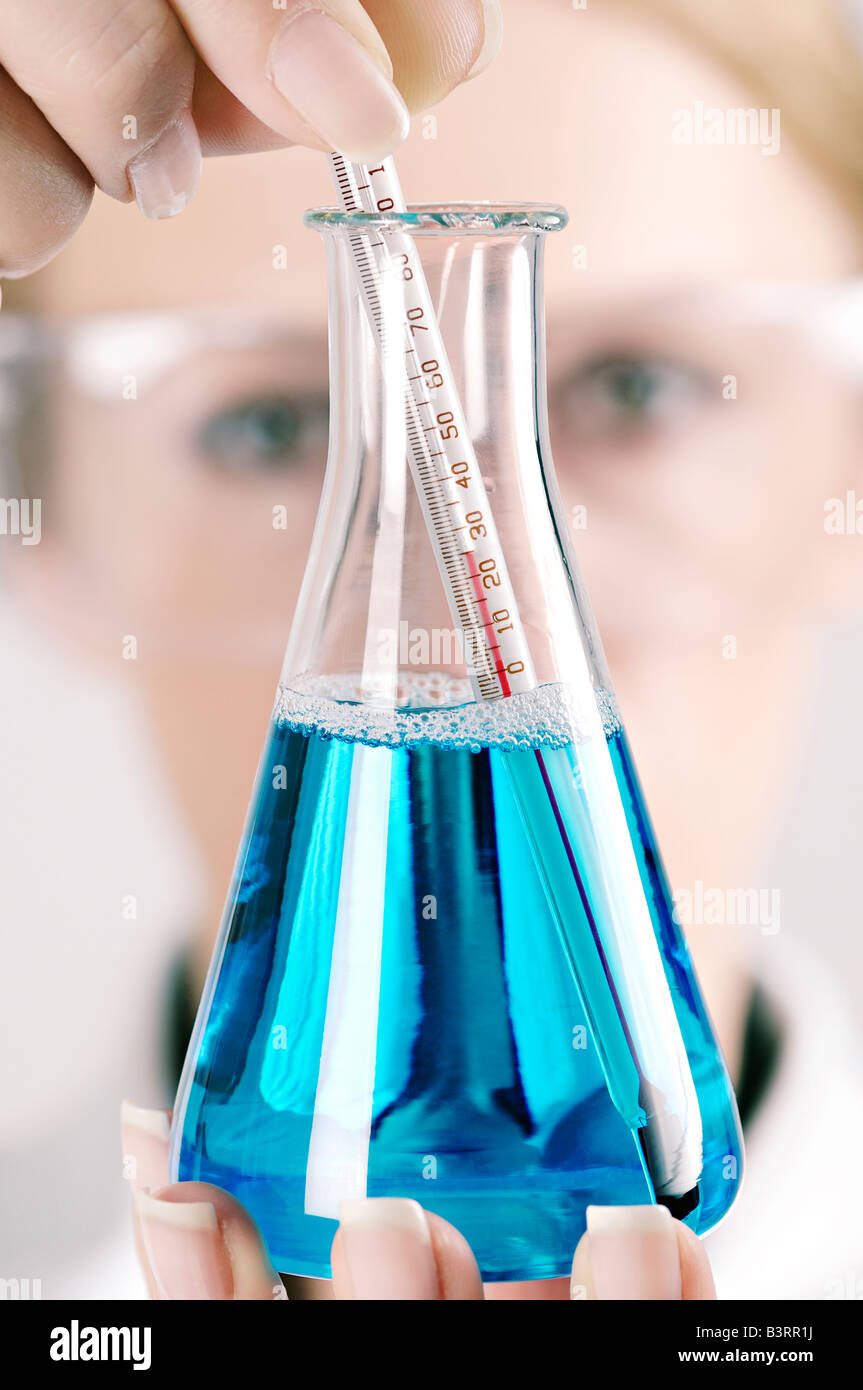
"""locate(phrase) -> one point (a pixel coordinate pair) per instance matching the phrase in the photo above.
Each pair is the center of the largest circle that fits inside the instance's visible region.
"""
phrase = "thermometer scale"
(460, 525)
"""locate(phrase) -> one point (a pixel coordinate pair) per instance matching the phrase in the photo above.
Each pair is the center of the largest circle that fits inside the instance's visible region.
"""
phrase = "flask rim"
(445, 219)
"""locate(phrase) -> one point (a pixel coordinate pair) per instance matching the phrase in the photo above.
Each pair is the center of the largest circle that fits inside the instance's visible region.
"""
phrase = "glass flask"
(448, 967)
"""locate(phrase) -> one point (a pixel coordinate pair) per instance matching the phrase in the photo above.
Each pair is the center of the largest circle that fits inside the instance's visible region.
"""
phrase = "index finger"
(318, 76)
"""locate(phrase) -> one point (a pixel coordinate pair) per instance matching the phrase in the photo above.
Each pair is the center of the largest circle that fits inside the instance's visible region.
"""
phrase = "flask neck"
(487, 292)
(373, 607)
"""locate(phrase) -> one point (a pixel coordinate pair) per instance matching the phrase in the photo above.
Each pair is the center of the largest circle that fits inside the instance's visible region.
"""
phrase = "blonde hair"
(804, 57)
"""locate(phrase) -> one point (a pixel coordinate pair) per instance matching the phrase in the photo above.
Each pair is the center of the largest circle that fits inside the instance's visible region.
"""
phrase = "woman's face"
(696, 443)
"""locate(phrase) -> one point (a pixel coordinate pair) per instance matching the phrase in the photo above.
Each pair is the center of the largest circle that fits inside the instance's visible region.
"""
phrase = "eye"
(619, 395)
(265, 432)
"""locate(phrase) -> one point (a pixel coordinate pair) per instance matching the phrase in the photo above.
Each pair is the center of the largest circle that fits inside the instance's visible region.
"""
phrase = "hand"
(127, 94)
(197, 1242)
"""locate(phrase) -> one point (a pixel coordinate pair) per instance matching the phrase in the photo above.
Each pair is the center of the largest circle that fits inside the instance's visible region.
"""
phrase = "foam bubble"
(440, 710)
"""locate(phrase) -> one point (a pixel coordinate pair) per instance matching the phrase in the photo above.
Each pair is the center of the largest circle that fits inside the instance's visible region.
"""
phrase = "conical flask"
(448, 967)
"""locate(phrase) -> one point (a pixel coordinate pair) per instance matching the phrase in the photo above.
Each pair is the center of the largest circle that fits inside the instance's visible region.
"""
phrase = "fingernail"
(185, 1248)
(146, 1143)
(165, 175)
(630, 1253)
(387, 1249)
(336, 86)
(153, 1122)
(492, 18)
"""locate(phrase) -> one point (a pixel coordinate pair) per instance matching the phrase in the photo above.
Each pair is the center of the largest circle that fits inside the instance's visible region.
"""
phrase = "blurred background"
(163, 387)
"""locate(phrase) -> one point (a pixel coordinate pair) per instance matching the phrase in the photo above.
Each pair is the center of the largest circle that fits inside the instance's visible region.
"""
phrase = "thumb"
(639, 1253)
(435, 47)
(202, 1244)
(194, 1241)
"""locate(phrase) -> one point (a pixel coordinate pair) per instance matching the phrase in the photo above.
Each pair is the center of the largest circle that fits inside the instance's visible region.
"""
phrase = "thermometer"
(444, 466)
(460, 524)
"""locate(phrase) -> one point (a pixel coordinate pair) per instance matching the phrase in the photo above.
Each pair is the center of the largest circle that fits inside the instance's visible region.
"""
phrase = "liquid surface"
(393, 1010)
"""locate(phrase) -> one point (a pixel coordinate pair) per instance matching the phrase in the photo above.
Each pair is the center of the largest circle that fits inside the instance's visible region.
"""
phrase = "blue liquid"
(388, 916)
